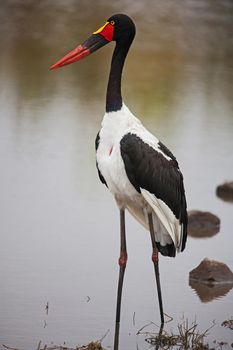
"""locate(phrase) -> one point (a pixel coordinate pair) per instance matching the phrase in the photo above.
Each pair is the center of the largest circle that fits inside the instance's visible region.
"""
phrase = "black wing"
(97, 141)
(148, 169)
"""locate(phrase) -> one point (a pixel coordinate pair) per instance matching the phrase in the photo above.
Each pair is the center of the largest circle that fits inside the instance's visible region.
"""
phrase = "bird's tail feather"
(166, 226)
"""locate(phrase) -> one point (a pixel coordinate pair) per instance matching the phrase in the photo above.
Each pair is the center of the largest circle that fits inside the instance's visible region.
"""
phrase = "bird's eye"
(112, 23)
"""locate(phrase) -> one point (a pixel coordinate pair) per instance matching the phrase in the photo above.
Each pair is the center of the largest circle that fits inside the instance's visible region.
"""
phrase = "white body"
(110, 163)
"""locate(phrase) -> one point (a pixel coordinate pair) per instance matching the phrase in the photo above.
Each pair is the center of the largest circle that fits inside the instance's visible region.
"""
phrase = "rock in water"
(225, 191)
(202, 224)
(211, 271)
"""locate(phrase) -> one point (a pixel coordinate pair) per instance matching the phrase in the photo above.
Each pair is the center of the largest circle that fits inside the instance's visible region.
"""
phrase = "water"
(59, 225)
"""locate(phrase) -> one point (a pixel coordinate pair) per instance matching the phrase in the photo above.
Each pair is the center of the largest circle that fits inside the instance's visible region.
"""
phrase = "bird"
(142, 174)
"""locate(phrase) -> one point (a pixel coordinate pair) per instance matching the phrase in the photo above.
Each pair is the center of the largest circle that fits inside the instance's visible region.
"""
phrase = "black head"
(124, 27)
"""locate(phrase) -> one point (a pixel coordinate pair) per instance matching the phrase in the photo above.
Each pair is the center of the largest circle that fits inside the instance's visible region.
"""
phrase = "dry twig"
(188, 337)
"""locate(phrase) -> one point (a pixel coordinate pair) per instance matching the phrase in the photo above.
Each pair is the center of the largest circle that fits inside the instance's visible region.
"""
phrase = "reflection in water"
(209, 291)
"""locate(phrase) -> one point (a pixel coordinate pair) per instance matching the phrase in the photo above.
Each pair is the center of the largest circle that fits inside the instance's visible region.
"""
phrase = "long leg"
(155, 259)
(122, 263)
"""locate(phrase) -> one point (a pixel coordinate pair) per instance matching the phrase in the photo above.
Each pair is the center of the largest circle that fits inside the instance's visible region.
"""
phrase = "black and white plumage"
(140, 172)
(143, 175)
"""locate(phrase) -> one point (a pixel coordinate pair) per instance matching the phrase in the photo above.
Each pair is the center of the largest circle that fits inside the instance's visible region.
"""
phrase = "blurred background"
(59, 225)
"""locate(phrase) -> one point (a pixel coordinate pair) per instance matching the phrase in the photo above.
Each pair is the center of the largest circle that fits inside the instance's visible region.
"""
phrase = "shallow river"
(59, 225)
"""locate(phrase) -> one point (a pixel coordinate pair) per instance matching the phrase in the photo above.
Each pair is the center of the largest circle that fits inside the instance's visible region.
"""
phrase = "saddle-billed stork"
(138, 169)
